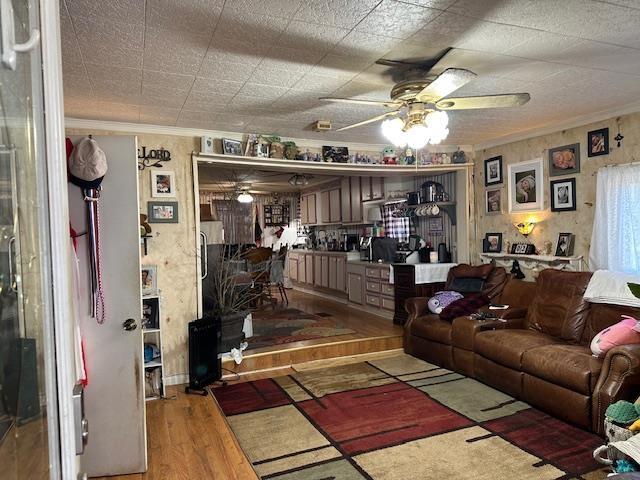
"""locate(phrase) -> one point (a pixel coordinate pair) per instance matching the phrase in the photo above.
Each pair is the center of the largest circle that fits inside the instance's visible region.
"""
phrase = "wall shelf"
(534, 262)
(327, 168)
(152, 333)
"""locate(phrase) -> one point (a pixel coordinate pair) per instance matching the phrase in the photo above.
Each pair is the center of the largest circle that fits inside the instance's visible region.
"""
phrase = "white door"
(114, 397)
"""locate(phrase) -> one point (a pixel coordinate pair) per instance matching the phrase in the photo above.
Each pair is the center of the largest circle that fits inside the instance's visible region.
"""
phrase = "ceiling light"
(392, 129)
(245, 197)
(298, 180)
(418, 136)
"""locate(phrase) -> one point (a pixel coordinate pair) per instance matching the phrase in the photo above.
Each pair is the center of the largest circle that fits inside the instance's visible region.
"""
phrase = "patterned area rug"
(399, 418)
(275, 327)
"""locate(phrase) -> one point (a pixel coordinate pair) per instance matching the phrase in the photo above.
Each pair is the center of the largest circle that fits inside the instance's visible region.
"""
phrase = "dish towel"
(606, 286)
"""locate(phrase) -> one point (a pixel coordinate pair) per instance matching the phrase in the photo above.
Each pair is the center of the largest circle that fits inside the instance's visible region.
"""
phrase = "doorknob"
(129, 324)
(9, 45)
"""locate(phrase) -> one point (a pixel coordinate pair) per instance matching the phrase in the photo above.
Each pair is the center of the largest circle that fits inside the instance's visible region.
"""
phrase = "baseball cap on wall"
(87, 164)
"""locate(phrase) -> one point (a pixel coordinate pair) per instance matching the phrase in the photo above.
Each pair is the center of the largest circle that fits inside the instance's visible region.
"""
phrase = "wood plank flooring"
(188, 436)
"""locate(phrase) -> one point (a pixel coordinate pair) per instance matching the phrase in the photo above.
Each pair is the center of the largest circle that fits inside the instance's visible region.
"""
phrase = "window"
(615, 242)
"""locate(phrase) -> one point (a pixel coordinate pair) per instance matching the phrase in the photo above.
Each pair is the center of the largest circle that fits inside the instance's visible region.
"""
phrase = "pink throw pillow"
(625, 332)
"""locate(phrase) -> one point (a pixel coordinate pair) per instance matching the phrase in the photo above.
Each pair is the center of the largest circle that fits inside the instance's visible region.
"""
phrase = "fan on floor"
(420, 102)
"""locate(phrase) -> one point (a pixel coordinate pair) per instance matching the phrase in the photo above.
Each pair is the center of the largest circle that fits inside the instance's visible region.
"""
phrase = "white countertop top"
(429, 272)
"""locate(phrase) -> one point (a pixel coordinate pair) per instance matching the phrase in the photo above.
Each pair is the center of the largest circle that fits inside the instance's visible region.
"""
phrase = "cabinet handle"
(9, 45)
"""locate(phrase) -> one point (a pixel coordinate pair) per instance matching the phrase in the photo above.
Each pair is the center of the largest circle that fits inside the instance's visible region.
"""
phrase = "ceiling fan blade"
(382, 103)
(447, 82)
(371, 120)
(486, 101)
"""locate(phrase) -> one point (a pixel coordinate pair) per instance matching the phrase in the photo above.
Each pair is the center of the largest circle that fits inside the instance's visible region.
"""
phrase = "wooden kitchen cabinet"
(372, 188)
(341, 270)
(302, 268)
(308, 260)
(324, 268)
(293, 268)
(350, 201)
(317, 270)
(354, 286)
(325, 210)
(356, 200)
(308, 214)
(335, 213)
(333, 273)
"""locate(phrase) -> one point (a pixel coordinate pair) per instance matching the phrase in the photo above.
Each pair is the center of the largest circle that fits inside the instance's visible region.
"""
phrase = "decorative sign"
(145, 158)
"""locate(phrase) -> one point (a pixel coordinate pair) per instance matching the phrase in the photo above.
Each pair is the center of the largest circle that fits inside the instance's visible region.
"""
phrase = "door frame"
(61, 374)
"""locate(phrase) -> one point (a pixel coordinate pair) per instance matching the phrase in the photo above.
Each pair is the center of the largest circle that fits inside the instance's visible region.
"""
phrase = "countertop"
(352, 254)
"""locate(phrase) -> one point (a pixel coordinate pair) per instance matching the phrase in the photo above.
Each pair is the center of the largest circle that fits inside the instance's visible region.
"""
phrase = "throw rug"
(400, 418)
(288, 325)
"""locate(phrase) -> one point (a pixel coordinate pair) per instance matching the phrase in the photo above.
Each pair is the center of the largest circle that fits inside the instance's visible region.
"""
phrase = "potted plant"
(228, 294)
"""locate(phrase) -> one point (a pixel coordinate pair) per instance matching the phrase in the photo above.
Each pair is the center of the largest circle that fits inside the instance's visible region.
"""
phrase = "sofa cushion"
(570, 366)
(432, 328)
(464, 306)
(559, 308)
(507, 346)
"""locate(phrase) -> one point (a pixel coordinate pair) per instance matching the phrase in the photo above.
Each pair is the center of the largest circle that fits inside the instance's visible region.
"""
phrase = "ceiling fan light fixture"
(437, 120)
(393, 130)
(418, 136)
(298, 180)
(245, 197)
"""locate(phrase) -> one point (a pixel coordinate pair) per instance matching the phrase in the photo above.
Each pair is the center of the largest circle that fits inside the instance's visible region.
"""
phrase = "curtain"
(236, 218)
(615, 241)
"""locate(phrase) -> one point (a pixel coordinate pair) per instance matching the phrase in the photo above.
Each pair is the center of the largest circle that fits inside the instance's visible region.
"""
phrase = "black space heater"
(204, 365)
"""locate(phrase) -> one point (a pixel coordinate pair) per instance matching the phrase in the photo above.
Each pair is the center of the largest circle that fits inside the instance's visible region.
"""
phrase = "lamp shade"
(525, 228)
(374, 214)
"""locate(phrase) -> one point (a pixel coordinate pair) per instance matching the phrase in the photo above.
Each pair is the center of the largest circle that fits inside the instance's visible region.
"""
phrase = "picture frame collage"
(163, 185)
(525, 185)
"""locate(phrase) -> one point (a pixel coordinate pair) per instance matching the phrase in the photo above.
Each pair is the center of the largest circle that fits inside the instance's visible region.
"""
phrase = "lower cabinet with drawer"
(369, 287)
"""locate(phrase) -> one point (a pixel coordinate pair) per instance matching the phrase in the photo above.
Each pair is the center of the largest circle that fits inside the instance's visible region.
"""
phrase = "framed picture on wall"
(565, 245)
(149, 280)
(526, 188)
(493, 171)
(564, 160)
(563, 195)
(492, 243)
(163, 183)
(231, 147)
(598, 142)
(493, 201)
(162, 212)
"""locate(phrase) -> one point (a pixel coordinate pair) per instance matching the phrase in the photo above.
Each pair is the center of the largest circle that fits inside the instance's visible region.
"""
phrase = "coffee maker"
(365, 248)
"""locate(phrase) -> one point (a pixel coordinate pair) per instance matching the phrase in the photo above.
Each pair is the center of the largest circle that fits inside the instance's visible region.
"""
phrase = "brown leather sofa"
(430, 338)
(543, 356)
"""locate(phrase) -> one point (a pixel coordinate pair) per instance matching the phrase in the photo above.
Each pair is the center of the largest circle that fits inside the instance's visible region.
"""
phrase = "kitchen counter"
(428, 272)
(350, 255)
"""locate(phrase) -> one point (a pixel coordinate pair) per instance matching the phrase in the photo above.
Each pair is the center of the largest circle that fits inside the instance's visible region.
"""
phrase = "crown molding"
(574, 122)
(133, 128)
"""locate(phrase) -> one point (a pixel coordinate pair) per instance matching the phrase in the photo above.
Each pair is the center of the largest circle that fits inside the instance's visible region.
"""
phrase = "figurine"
(389, 156)
(409, 157)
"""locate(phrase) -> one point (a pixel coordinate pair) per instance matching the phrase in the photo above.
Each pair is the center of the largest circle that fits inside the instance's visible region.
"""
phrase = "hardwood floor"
(372, 334)
(188, 436)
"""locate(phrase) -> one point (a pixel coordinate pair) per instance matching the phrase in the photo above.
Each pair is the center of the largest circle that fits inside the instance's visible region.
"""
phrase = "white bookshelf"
(152, 333)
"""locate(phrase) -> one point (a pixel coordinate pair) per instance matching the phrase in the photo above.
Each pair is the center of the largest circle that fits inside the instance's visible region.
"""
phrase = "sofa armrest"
(512, 313)
(416, 306)
(619, 380)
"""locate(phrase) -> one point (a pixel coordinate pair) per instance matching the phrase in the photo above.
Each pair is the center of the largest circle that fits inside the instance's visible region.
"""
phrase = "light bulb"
(245, 197)
(418, 136)
(392, 130)
(437, 120)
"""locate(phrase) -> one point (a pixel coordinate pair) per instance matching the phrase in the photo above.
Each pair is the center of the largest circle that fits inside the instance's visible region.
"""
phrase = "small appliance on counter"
(410, 252)
(384, 248)
(444, 255)
(365, 248)
(348, 242)
(425, 253)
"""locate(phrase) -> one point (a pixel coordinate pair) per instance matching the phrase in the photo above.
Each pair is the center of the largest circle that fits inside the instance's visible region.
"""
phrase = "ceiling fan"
(420, 104)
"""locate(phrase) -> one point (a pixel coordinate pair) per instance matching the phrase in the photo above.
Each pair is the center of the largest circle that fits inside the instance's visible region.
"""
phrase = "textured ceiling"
(260, 65)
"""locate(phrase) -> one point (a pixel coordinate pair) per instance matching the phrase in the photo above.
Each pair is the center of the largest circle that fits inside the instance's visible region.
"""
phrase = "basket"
(607, 454)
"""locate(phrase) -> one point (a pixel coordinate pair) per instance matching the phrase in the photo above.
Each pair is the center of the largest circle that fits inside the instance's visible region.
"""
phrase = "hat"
(87, 164)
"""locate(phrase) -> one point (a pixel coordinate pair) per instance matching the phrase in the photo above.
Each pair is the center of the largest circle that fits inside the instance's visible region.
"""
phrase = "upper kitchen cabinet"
(330, 208)
(351, 201)
(308, 209)
(372, 188)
